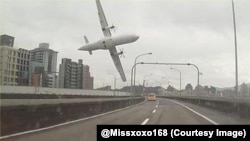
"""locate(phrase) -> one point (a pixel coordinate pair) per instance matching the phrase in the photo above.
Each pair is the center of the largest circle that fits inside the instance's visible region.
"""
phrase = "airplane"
(109, 42)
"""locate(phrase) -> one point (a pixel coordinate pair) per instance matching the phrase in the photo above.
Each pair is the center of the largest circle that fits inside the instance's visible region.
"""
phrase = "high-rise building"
(87, 81)
(14, 63)
(48, 58)
(74, 75)
(79, 74)
(36, 73)
(52, 81)
(23, 66)
(70, 74)
(8, 65)
(6, 40)
(64, 73)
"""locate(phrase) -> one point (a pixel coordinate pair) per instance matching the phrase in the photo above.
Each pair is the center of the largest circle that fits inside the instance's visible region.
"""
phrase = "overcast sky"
(175, 31)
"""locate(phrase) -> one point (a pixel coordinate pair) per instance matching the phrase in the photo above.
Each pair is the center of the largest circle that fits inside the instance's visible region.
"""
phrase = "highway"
(162, 111)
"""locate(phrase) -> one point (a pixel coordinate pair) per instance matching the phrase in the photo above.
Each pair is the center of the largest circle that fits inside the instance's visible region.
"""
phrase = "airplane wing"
(117, 62)
(103, 21)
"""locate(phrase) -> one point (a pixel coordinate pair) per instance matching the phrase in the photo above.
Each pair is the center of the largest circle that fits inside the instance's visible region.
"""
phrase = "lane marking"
(154, 111)
(66, 123)
(203, 116)
(157, 104)
(145, 121)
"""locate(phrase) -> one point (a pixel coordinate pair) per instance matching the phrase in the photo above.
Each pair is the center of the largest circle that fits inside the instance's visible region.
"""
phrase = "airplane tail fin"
(86, 40)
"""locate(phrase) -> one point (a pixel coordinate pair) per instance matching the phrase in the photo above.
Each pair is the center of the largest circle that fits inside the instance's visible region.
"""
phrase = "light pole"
(156, 63)
(114, 82)
(180, 77)
(236, 58)
(136, 62)
(145, 77)
(144, 81)
(198, 70)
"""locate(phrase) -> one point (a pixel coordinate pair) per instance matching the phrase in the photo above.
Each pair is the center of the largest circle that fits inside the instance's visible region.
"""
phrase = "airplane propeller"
(121, 53)
(114, 28)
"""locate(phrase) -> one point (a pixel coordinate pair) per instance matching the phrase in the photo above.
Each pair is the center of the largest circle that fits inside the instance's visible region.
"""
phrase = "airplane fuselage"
(109, 42)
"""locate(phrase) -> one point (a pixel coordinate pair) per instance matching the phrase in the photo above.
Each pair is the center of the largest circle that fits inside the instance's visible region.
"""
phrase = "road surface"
(161, 111)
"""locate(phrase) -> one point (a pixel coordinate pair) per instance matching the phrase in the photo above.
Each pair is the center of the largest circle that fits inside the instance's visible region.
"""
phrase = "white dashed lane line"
(157, 104)
(145, 121)
(154, 111)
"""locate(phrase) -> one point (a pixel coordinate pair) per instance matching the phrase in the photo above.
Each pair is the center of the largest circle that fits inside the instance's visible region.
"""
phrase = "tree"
(189, 87)
(199, 89)
(243, 89)
(170, 88)
(206, 89)
(212, 89)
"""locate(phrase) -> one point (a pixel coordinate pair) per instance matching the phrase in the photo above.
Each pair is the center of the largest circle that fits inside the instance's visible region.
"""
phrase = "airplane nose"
(135, 37)
(81, 48)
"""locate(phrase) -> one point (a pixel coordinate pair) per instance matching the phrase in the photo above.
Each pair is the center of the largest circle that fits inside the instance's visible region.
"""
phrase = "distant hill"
(230, 88)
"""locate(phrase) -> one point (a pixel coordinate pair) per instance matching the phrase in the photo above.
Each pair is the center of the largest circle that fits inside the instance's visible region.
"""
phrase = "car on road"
(151, 97)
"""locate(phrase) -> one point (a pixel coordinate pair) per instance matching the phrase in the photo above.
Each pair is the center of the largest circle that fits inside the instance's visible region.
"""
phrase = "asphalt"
(162, 111)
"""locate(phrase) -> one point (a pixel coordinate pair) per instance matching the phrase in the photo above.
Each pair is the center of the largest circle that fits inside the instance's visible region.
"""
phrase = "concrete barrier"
(240, 106)
(58, 91)
(16, 119)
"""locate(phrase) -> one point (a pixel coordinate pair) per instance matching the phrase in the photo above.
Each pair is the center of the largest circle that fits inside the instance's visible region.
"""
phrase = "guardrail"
(240, 106)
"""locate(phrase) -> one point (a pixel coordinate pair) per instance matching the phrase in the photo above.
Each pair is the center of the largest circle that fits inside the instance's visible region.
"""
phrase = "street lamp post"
(136, 62)
(156, 63)
(145, 77)
(198, 70)
(180, 77)
(144, 81)
(114, 82)
(236, 58)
